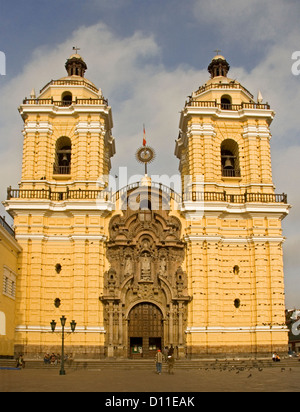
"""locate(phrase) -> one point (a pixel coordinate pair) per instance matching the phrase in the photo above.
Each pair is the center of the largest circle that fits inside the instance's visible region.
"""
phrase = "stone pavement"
(124, 381)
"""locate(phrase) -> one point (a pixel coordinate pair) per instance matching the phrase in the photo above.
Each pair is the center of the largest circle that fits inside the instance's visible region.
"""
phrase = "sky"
(147, 56)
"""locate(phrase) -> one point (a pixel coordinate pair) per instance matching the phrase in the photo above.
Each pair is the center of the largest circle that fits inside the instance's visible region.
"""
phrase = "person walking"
(159, 361)
(20, 362)
(171, 360)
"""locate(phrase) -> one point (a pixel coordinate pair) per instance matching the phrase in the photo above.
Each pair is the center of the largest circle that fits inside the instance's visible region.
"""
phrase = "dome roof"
(218, 56)
(75, 56)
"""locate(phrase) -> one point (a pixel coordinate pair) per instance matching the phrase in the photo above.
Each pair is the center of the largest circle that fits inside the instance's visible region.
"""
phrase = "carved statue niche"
(162, 266)
(111, 281)
(181, 282)
(145, 265)
(128, 266)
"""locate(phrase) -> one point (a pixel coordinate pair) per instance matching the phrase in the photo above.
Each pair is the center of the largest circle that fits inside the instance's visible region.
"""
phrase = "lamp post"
(63, 323)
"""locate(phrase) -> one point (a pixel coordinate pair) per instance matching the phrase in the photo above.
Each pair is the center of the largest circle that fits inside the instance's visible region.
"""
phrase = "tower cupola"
(218, 67)
(75, 65)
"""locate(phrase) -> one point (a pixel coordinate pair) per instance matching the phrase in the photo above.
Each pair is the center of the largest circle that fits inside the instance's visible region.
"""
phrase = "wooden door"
(145, 330)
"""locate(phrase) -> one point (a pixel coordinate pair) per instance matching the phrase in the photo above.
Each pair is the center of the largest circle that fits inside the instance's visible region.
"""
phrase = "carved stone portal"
(145, 290)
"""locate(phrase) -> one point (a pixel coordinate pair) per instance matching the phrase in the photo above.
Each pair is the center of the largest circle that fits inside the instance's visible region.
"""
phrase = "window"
(66, 99)
(230, 158)
(9, 283)
(58, 268)
(226, 102)
(57, 302)
(145, 214)
(236, 270)
(237, 303)
(62, 164)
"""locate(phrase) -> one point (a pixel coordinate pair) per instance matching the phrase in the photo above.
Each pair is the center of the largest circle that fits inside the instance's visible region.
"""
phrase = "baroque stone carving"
(145, 252)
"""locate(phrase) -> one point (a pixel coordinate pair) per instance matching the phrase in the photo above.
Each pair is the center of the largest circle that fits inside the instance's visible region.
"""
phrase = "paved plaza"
(112, 381)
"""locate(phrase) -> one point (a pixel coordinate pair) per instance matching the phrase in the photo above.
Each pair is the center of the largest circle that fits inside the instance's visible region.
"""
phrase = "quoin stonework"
(147, 266)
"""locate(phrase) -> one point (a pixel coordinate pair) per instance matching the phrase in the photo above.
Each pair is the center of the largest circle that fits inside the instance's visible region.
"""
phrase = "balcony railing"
(43, 194)
(227, 86)
(235, 198)
(227, 106)
(231, 172)
(195, 196)
(61, 170)
(65, 103)
(70, 82)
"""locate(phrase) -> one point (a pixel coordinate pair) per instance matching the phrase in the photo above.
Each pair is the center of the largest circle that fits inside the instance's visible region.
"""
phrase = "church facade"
(146, 267)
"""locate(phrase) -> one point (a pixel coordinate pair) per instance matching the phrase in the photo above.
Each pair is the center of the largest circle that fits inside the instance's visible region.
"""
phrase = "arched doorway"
(145, 330)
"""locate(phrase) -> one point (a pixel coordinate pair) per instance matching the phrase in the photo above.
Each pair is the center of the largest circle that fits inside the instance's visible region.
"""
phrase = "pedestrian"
(159, 361)
(46, 359)
(20, 362)
(170, 362)
(53, 359)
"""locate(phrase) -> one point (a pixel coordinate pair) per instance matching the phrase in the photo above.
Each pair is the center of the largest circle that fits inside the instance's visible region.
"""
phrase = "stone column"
(110, 349)
(171, 325)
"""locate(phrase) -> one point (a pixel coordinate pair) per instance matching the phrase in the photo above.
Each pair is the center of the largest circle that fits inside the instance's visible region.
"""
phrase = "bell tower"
(59, 211)
(67, 133)
(225, 135)
(234, 237)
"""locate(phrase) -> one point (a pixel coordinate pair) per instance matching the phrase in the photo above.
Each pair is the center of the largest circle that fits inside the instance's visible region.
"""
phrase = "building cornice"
(47, 329)
(237, 329)
(20, 206)
(217, 113)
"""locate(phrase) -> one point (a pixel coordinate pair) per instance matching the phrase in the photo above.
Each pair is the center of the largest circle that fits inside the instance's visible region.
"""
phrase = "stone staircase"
(148, 364)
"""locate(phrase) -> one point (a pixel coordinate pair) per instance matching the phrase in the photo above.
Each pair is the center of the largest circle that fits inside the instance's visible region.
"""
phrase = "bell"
(65, 161)
(228, 163)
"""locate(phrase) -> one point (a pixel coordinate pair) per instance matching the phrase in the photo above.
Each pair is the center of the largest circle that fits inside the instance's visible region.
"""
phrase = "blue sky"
(147, 56)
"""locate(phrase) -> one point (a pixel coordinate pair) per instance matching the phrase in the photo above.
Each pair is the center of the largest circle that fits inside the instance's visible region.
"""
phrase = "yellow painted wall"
(9, 250)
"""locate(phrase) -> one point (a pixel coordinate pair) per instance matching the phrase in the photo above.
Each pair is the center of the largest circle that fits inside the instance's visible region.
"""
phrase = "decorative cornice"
(224, 239)
(47, 329)
(237, 329)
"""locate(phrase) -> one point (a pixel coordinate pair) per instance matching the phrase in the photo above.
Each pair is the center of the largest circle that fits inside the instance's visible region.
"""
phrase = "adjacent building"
(9, 252)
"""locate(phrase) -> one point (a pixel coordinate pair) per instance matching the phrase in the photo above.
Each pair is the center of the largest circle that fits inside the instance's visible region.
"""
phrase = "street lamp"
(63, 323)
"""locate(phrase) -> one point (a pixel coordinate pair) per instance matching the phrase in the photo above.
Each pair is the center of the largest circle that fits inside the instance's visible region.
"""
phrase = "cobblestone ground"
(114, 381)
